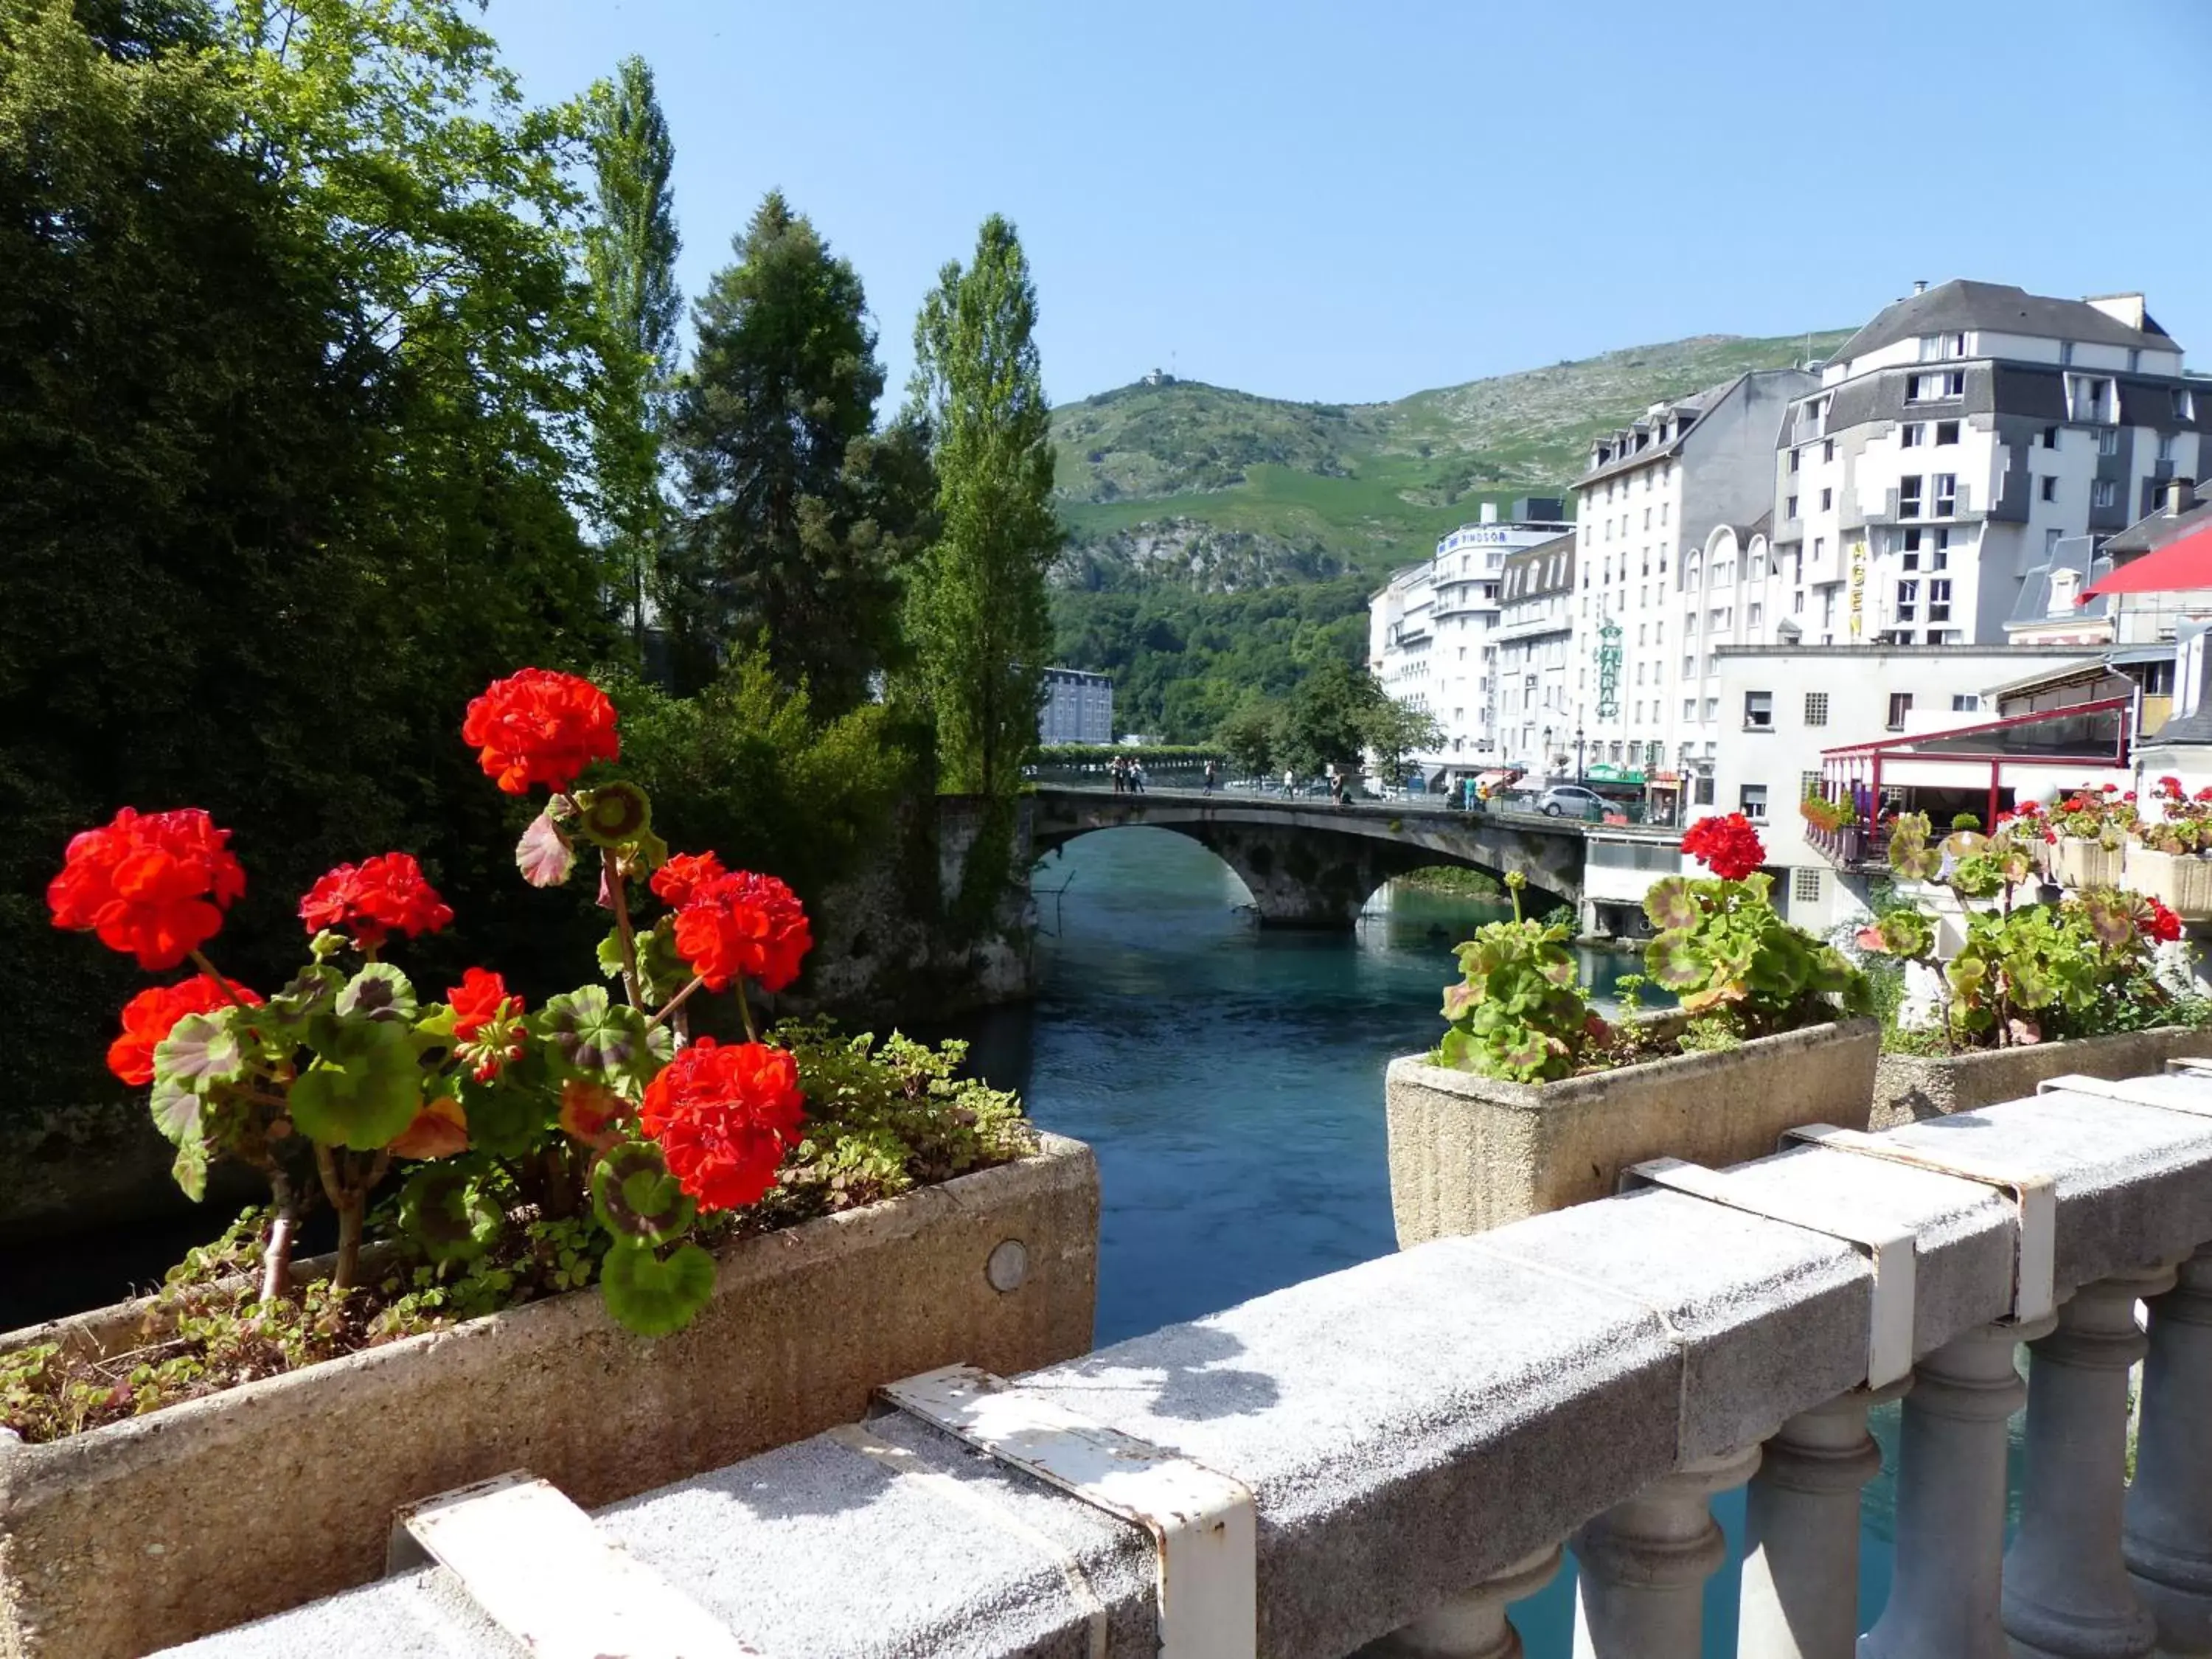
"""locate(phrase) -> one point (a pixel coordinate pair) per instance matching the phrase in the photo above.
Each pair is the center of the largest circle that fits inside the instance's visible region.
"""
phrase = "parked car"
(1571, 800)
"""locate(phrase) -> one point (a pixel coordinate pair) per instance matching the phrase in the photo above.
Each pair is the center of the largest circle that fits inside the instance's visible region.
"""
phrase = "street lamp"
(1546, 756)
(1578, 747)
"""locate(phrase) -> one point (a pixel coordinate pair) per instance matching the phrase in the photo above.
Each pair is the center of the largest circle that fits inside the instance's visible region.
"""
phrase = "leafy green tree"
(290, 358)
(1325, 718)
(797, 517)
(1249, 735)
(629, 255)
(1395, 730)
(979, 617)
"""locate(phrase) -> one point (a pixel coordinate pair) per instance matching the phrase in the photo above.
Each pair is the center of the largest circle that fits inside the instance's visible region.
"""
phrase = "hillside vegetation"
(1185, 503)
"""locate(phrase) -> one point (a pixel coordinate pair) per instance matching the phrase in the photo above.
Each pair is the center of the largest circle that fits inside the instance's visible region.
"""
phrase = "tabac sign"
(1858, 584)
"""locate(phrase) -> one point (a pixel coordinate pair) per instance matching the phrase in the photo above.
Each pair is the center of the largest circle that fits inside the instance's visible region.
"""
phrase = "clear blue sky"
(1352, 201)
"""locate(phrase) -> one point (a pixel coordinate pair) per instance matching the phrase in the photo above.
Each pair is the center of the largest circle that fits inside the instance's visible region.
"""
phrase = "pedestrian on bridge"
(1209, 779)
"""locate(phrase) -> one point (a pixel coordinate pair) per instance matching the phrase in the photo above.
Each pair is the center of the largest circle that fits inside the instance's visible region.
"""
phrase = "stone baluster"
(1644, 1563)
(2066, 1590)
(1801, 1562)
(1472, 1624)
(2167, 1539)
(1943, 1598)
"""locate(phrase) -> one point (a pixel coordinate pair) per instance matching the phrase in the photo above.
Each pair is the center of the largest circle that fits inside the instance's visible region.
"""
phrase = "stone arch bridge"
(1310, 863)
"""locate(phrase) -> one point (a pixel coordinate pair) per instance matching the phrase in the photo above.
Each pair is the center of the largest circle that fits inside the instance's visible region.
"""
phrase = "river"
(1231, 1081)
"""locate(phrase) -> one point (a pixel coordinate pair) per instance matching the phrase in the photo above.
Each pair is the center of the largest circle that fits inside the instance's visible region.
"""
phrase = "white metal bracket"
(544, 1573)
(2170, 1093)
(1889, 1248)
(2035, 1207)
(1203, 1524)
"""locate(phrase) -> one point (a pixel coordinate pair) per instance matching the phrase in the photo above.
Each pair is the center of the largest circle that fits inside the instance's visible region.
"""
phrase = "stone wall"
(1909, 1087)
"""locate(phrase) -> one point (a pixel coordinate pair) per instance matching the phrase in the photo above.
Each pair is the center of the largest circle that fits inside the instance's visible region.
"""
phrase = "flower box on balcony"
(2078, 863)
(1468, 1153)
(2180, 881)
(1909, 1087)
(203, 1515)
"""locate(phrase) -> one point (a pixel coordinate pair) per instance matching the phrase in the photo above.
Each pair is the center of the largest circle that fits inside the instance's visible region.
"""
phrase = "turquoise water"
(1231, 1083)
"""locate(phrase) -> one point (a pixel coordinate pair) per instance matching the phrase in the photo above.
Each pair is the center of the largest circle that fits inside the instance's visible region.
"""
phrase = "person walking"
(1209, 779)
(1289, 777)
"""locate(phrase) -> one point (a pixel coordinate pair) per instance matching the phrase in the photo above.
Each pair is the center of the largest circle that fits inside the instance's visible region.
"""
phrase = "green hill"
(1220, 489)
(1221, 544)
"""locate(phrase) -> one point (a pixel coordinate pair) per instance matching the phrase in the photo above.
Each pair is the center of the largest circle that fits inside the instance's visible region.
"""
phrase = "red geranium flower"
(385, 895)
(743, 923)
(538, 726)
(2164, 925)
(685, 874)
(487, 1022)
(1729, 847)
(151, 884)
(149, 1016)
(2112, 789)
(2170, 785)
(724, 1115)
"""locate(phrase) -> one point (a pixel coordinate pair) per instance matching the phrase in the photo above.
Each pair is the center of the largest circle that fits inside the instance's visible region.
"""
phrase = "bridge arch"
(1314, 865)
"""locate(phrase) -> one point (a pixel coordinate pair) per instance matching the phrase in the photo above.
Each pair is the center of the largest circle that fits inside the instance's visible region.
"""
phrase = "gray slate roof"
(2148, 535)
(1949, 307)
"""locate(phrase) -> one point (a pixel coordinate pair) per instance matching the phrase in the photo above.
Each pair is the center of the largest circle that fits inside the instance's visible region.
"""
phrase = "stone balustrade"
(1422, 1434)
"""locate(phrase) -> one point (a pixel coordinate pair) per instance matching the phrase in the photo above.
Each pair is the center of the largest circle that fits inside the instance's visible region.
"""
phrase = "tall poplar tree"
(978, 618)
(629, 257)
(797, 516)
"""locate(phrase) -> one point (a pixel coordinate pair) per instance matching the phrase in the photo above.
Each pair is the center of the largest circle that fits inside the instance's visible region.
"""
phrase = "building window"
(1947, 494)
(1758, 711)
(1910, 435)
(1757, 612)
(2048, 487)
(1947, 432)
(1930, 388)
(2105, 492)
(1809, 785)
(2050, 437)
(1790, 508)
(1805, 886)
(1712, 708)
(1908, 600)
(1689, 668)
(1900, 705)
(1828, 450)
(1939, 599)
(1751, 800)
(2066, 351)
(1689, 705)
(2108, 442)
(1793, 459)
(1816, 708)
(1908, 498)
(1827, 500)
(1966, 703)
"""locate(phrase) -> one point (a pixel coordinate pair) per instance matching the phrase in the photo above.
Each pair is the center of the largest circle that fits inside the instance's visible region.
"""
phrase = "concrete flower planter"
(1909, 1087)
(2180, 881)
(2078, 863)
(197, 1518)
(1468, 1153)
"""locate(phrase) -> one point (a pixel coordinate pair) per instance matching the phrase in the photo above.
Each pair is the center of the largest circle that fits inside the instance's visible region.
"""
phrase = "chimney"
(1921, 286)
(2124, 308)
(2180, 496)
(1490, 512)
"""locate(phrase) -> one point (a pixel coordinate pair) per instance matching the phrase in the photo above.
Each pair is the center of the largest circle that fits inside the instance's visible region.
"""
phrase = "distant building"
(1673, 562)
(1079, 707)
(2053, 610)
(1534, 636)
(1957, 442)
(1430, 629)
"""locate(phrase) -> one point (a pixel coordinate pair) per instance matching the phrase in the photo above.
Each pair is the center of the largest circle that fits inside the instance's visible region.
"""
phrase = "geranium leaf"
(604, 1040)
(379, 991)
(191, 1167)
(1671, 904)
(544, 854)
(1672, 961)
(202, 1050)
(508, 1115)
(364, 1099)
(635, 1197)
(614, 814)
(447, 1213)
(655, 1297)
(176, 1110)
(440, 1130)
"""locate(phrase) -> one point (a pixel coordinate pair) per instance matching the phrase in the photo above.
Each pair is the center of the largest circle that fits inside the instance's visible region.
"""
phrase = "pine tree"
(629, 258)
(978, 616)
(798, 517)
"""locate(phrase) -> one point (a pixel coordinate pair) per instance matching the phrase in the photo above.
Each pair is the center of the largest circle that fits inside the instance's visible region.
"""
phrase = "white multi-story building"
(1533, 643)
(1430, 628)
(1954, 442)
(1672, 562)
(1786, 707)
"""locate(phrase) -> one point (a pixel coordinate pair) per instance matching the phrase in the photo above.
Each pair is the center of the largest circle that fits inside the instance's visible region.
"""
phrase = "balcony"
(1378, 1461)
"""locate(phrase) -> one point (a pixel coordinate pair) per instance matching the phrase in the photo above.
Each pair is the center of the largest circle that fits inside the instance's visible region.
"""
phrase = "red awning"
(2182, 564)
